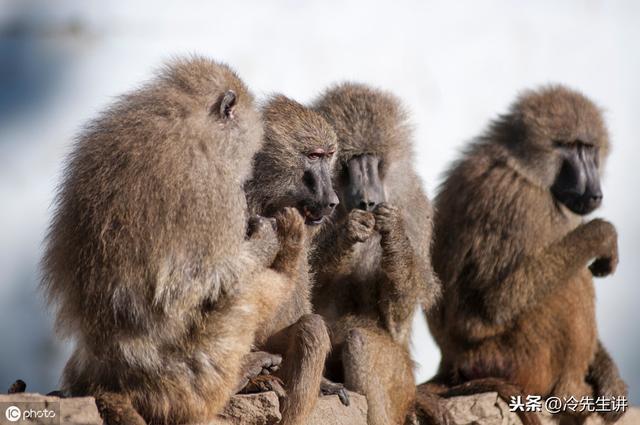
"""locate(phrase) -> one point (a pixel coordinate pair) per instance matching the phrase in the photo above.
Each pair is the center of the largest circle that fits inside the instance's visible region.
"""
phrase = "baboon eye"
(565, 144)
(316, 154)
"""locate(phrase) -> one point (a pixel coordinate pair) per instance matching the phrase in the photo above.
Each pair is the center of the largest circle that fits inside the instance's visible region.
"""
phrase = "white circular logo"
(13, 414)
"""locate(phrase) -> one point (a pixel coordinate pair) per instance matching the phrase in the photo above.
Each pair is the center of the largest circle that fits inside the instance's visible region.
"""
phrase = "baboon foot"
(257, 363)
(264, 383)
(332, 388)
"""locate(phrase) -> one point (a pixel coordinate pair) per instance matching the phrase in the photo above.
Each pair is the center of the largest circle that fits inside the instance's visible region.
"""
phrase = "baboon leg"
(379, 368)
(304, 347)
(606, 380)
(116, 409)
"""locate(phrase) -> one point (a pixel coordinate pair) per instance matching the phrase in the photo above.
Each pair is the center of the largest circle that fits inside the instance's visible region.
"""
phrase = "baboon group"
(203, 245)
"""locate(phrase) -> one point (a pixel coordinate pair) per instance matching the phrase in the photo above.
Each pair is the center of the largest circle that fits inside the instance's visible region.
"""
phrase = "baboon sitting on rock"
(292, 176)
(147, 259)
(372, 262)
(516, 256)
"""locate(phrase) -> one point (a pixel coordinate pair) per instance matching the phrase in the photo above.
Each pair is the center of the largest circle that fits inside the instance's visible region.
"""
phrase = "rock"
(67, 411)
(330, 411)
(244, 409)
(263, 409)
(481, 409)
(489, 409)
(258, 409)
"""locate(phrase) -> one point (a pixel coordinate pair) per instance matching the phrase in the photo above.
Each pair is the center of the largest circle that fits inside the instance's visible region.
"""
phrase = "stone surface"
(68, 411)
(481, 409)
(330, 411)
(258, 409)
(489, 409)
(263, 409)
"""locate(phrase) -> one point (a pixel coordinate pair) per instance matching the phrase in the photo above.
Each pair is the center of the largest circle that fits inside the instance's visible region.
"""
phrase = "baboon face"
(294, 167)
(563, 140)
(361, 184)
(577, 184)
(316, 198)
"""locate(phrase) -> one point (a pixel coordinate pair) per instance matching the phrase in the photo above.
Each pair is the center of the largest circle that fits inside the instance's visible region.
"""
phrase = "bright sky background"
(455, 64)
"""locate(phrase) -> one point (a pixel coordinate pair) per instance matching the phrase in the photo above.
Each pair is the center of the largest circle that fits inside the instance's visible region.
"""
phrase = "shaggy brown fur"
(372, 267)
(146, 257)
(292, 133)
(518, 296)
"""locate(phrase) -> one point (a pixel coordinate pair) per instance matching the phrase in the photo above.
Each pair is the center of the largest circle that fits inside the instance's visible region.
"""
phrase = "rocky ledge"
(263, 409)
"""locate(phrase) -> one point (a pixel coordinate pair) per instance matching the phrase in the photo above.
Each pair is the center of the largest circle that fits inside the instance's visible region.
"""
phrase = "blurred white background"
(455, 64)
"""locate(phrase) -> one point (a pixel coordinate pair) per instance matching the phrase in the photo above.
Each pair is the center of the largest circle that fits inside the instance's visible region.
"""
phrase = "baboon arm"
(223, 280)
(537, 274)
(331, 252)
(403, 275)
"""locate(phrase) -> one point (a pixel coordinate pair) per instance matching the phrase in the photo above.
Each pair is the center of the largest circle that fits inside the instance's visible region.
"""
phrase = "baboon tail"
(430, 409)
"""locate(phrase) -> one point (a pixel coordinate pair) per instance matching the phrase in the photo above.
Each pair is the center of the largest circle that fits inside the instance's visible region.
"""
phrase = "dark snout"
(577, 186)
(321, 199)
(367, 200)
(365, 189)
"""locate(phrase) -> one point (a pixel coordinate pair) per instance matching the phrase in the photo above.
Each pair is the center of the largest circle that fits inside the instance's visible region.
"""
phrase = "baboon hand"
(360, 225)
(605, 237)
(257, 363)
(290, 228)
(263, 239)
(387, 217)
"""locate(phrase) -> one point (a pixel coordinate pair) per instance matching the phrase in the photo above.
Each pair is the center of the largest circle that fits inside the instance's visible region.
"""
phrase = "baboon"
(516, 257)
(147, 259)
(292, 171)
(371, 263)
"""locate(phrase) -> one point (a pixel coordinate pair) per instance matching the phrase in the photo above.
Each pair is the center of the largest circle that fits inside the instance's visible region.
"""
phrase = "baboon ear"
(227, 105)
